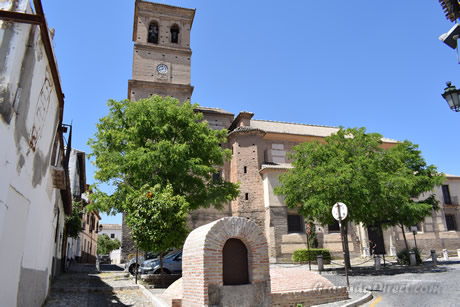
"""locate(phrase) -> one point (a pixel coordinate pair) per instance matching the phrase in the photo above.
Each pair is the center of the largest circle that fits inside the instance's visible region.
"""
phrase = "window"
(112, 236)
(57, 226)
(246, 196)
(216, 176)
(295, 223)
(245, 169)
(450, 222)
(153, 33)
(334, 227)
(446, 194)
(175, 34)
(235, 263)
(92, 224)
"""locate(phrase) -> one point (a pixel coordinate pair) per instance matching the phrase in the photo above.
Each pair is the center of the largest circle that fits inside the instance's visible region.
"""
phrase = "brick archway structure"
(202, 266)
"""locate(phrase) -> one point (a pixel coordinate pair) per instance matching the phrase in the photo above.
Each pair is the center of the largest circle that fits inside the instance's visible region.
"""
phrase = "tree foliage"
(379, 187)
(157, 218)
(405, 178)
(105, 245)
(73, 221)
(340, 170)
(158, 141)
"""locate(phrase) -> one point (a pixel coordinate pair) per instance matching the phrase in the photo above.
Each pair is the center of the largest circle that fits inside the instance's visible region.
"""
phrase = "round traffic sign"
(308, 228)
(343, 211)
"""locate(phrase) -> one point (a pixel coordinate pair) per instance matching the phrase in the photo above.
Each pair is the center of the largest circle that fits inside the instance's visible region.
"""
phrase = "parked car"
(131, 264)
(104, 259)
(172, 264)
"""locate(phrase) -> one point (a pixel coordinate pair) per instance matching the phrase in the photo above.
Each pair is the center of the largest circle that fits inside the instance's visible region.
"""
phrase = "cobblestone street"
(83, 286)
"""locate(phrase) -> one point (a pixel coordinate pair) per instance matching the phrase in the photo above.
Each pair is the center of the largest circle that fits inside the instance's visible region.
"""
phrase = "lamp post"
(452, 96)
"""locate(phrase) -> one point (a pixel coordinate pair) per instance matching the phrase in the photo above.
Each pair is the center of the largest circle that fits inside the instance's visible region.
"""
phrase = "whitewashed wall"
(115, 256)
(108, 232)
(29, 204)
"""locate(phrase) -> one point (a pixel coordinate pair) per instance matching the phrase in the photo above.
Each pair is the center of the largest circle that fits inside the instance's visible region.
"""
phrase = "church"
(162, 66)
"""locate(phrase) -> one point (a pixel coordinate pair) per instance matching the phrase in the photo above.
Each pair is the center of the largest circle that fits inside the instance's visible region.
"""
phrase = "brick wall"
(248, 156)
(309, 297)
(202, 258)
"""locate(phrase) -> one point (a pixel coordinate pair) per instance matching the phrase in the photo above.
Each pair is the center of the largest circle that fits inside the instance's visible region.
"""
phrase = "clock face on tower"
(162, 69)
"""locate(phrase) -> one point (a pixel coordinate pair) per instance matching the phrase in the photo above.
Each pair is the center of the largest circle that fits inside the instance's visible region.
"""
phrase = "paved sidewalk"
(84, 286)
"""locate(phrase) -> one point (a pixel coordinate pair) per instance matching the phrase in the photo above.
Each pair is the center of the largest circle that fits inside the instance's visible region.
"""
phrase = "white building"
(113, 231)
(34, 190)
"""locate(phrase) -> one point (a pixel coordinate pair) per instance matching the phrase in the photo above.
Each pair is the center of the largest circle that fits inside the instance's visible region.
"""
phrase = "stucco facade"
(34, 188)
(88, 237)
(113, 231)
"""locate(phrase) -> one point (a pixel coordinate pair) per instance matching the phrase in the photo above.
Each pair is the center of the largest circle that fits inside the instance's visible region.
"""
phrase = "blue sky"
(356, 63)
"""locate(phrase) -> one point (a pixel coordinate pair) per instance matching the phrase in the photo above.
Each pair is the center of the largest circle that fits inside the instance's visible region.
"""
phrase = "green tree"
(378, 186)
(105, 245)
(73, 221)
(342, 169)
(405, 178)
(158, 141)
(312, 237)
(157, 219)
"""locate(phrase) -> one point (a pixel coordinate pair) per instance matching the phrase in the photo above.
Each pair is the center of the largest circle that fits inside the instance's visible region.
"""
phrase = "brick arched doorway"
(204, 265)
(235, 263)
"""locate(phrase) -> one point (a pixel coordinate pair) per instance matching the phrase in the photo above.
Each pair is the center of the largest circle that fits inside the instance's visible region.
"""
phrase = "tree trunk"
(345, 244)
(161, 271)
(404, 236)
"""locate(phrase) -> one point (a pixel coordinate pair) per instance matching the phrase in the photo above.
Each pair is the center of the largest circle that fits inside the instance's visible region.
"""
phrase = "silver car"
(172, 264)
(131, 264)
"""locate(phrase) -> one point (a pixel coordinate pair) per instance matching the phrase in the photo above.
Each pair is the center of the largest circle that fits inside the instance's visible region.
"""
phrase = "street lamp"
(451, 95)
(100, 227)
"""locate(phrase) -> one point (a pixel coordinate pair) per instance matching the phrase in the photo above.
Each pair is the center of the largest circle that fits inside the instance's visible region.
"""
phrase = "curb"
(387, 271)
(157, 302)
(359, 301)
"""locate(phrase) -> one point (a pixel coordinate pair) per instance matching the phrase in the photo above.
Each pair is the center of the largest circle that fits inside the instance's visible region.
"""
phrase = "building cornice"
(246, 131)
(162, 48)
(275, 168)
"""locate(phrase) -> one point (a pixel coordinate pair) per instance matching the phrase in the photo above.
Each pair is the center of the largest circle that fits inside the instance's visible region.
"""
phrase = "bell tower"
(162, 54)
(161, 64)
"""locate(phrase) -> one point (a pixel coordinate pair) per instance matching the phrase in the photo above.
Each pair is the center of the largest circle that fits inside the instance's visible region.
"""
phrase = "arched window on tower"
(153, 33)
(175, 34)
(235, 263)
